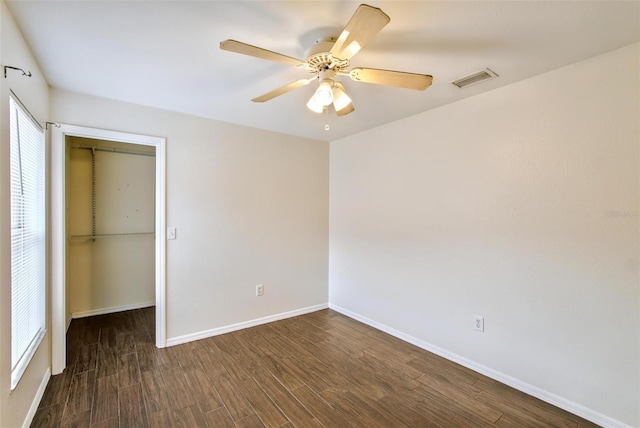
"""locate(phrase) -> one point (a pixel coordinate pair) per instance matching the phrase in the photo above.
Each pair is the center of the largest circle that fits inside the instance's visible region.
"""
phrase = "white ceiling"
(166, 53)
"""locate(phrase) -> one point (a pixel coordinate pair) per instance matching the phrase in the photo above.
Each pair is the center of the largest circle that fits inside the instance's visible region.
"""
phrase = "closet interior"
(110, 225)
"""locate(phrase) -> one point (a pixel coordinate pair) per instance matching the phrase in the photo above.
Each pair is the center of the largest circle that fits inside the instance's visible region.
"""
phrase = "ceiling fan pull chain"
(326, 126)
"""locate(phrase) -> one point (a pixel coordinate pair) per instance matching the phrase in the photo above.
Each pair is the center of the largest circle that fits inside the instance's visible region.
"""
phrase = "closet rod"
(111, 149)
(106, 235)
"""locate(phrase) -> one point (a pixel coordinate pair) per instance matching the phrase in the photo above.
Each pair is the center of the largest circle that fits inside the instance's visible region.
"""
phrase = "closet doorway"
(108, 228)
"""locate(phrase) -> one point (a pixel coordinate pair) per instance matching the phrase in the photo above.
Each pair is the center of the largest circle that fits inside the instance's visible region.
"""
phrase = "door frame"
(58, 232)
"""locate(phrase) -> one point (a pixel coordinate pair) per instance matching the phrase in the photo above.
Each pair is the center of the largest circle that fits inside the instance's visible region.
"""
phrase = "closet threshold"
(106, 235)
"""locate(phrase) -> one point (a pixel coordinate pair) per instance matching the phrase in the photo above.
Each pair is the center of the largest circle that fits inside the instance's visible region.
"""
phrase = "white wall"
(33, 92)
(110, 273)
(520, 205)
(250, 207)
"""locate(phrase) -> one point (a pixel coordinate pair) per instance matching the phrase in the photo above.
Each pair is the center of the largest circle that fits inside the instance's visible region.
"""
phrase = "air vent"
(477, 77)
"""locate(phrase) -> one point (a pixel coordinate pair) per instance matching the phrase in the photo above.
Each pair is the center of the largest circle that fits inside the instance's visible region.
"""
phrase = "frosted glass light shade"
(340, 99)
(314, 105)
(324, 94)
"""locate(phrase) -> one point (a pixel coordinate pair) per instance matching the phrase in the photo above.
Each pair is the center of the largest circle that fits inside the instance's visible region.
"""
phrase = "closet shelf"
(106, 235)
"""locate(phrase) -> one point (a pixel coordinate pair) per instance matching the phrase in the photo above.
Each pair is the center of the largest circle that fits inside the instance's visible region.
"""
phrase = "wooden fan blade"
(341, 101)
(365, 23)
(400, 79)
(245, 49)
(283, 90)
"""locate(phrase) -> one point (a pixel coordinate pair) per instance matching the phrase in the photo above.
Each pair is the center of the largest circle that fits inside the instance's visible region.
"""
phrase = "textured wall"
(250, 207)
(520, 205)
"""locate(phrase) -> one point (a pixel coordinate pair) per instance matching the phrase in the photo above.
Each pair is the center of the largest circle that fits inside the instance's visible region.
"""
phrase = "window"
(27, 158)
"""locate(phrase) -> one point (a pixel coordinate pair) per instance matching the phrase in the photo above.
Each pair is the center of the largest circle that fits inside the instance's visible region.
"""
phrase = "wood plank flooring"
(317, 370)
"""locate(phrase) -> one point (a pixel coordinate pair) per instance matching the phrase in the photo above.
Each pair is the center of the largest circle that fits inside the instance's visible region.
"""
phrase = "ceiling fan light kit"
(330, 57)
(324, 93)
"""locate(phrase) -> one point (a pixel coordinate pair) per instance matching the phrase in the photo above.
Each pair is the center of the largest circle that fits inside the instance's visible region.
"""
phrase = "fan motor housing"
(319, 57)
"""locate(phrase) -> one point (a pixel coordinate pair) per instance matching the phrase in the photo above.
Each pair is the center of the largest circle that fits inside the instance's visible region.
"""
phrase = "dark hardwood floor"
(321, 369)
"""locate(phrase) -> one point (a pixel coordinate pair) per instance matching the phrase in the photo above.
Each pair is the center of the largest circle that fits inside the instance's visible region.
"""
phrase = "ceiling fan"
(330, 57)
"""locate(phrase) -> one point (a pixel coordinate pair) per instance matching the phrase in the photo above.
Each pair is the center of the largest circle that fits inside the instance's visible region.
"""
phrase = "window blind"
(27, 158)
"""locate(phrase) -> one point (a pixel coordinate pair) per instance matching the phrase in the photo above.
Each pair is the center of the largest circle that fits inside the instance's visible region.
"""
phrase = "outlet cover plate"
(478, 323)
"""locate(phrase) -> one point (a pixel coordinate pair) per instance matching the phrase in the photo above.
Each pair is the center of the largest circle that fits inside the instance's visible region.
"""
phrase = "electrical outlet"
(478, 323)
(259, 290)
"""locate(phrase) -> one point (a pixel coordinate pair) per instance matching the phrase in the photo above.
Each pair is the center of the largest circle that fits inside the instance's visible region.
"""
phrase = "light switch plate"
(171, 233)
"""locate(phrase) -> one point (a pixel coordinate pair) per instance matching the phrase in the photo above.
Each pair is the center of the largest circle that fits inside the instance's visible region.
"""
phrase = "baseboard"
(178, 340)
(570, 406)
(36, 400)
(102, 311)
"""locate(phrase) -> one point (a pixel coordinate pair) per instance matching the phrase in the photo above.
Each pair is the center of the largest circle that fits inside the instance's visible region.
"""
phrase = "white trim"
(570, 406)
(178, 340)
(161, 244)
(58, 234)
(58, 251)
(112, 309)
(21, 367)
(36, 399)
